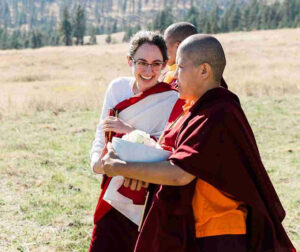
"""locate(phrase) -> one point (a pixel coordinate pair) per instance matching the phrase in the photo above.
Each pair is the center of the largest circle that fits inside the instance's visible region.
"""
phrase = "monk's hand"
(135, 184)
(111, 162)
(115, 124)
(98, 166)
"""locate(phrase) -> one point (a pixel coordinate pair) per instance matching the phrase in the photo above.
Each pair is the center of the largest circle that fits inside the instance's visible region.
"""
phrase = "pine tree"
(115, 27)
(6, 15)
(36, 38)
(97, 13)
(214, 19)
(274, 15)
(289, 11)
(286, 13)
(253, 14)
(21, 19)
(163, 19)
(297, 21)
(262, 16)
(192, 16)
(207, 28)
(66, 28)
(93, 38)
(16, 13)
(54, 38)
(128, 34)
(4, 39)
(108, 39)
(234, 18)
(224, 20)
(201, 22)
(32, 17)
(124, 6)
(79, 25)
(244, 23)
(15, 40)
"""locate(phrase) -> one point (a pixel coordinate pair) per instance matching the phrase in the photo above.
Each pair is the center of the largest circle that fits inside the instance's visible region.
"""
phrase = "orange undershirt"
(170, 74)
(214, 212)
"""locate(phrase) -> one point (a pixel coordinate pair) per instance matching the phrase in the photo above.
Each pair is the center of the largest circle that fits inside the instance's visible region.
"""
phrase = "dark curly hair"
(149, 37)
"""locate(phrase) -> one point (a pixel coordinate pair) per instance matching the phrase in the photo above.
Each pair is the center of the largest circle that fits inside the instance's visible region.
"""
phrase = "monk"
(173, 36)
(215, 193)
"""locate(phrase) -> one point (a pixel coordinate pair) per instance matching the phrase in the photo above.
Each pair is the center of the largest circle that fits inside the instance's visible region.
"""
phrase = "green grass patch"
(49, 192)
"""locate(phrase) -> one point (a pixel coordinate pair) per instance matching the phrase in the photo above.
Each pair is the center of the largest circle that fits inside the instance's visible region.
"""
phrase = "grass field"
(50, 101)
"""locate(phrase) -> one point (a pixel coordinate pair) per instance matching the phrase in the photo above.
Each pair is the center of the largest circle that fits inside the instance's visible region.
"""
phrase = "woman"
(142, 103)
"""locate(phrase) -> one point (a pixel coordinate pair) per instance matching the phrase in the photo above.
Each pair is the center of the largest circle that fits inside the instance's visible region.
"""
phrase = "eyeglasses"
(143, 65)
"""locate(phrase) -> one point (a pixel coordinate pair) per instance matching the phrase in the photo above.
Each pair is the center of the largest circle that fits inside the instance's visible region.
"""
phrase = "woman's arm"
(99, 141)
(117, 91)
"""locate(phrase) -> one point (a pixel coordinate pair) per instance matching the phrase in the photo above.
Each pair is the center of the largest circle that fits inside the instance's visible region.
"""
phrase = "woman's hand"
(135, 184)
(109, 165)
(116, 125)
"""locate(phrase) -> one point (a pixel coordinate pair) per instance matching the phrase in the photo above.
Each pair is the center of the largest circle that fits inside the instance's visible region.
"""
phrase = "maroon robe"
(215, 143)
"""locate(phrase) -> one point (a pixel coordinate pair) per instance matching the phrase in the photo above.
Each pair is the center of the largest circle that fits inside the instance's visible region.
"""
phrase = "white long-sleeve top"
(117, 91)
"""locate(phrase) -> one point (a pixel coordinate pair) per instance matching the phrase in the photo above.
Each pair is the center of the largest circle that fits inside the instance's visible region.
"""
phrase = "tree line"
(252, 15)
(71, 30)
(207, 16)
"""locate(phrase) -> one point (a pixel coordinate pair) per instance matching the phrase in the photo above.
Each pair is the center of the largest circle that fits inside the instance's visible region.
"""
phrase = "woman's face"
(146, 65)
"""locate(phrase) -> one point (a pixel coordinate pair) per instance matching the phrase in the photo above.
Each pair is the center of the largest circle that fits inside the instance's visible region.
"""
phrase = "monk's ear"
(205, 70)
(129, 60)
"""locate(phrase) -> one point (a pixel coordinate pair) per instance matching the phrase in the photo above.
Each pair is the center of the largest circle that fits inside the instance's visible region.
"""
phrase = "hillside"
(50, 102)
(259, 63)
(31, 13)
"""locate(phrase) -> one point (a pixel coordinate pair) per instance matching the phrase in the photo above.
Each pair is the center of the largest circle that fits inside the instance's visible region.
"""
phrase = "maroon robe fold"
(214, 142)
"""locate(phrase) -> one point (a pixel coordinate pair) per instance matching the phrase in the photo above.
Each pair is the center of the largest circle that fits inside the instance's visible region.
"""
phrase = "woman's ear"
(129, 60)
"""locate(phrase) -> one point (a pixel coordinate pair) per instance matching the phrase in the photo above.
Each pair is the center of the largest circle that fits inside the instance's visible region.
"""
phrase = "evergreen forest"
(38, 23)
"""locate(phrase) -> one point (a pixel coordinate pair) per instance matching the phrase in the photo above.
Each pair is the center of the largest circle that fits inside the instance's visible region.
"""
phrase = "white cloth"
(118, 90)
(121, 203)
(149, 115)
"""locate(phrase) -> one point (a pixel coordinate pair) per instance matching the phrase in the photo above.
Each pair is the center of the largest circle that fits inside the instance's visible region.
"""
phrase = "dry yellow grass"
(259, 63)
(263, 62)
(116, 38)
(47, 191)
(58, 78)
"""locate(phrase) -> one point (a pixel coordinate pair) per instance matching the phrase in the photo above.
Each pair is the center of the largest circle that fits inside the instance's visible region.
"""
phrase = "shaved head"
(177, 32)
(201, 49)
